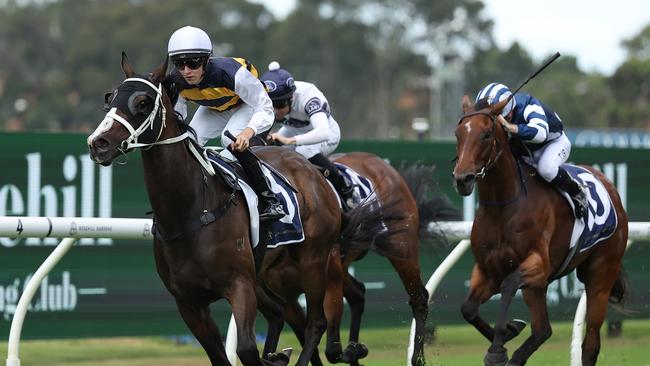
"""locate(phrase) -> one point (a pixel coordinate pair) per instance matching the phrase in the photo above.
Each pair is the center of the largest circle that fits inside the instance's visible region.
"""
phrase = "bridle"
(159, 112)
(497, 149)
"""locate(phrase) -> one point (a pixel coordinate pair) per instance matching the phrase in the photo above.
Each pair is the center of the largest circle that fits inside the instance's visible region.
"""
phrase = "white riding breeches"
(548, 159)
(308, 151)
(209, 123)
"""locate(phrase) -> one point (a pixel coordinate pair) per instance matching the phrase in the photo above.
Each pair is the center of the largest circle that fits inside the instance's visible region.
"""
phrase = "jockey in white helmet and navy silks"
(230, 97)
(307, 123)
(541, 130)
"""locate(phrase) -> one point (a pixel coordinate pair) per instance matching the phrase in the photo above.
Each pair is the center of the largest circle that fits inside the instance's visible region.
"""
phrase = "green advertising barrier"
(106, 287)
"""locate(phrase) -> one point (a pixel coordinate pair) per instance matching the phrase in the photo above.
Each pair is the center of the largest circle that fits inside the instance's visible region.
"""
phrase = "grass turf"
(454, 345)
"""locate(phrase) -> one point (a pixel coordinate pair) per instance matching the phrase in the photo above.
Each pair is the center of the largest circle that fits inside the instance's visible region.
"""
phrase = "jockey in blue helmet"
(541, 130)
(307, 123)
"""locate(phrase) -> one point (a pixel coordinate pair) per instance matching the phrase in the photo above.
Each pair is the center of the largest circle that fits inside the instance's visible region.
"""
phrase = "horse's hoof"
(515, 326)
(354, 351)
(498, 357)
(281, 358)
(333, 352)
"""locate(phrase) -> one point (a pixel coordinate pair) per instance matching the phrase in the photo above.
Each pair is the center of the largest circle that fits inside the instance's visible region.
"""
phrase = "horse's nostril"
(468, 178)
(100, 143)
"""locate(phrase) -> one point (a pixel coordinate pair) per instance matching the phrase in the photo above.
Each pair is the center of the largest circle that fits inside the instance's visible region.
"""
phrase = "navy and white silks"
(310, 122)
(540, 128)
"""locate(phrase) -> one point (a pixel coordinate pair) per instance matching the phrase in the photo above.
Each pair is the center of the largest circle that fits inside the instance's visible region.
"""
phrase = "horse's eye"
(143, 106)
(487, 135)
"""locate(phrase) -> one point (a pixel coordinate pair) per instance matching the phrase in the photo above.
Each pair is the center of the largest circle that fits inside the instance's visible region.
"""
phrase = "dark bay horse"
(401, 248)
(520, 240)
(202, 245)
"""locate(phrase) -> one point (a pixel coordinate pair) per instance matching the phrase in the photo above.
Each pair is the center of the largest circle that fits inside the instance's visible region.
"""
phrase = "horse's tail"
(620, 293)
(370, 223)
(433, 205)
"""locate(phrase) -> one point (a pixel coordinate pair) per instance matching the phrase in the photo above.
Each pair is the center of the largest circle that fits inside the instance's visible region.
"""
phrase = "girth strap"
(206, 218)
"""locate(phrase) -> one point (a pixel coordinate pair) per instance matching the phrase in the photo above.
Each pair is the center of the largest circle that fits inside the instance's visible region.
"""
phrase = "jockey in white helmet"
(230, 98)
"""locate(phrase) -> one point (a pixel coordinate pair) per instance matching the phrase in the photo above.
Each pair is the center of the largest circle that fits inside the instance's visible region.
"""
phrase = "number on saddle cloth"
(601, 220)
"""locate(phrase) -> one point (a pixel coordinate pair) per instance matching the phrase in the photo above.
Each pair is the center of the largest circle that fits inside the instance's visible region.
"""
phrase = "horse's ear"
(158, 75)
(467, 104)
(496, 109)
(126, 66)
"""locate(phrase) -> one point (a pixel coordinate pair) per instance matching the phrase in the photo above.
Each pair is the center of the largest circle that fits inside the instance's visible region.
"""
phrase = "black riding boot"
(270, 208)
(331, 172)
(564, 181)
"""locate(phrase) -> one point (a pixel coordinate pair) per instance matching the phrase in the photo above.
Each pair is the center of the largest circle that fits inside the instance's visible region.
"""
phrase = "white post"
(231, 341)
(28, 295)
(433, 283)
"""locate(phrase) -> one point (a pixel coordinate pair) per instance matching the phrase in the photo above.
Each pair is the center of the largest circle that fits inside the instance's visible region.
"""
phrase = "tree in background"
(630, 84)
(380, 62)
(62, 56)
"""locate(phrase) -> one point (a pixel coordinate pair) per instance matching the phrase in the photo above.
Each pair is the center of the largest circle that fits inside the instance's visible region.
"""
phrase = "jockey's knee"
(547, 172)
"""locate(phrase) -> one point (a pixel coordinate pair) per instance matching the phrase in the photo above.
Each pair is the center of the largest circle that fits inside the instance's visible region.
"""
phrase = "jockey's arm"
(320, 133)
(252, 92)
(535, 129)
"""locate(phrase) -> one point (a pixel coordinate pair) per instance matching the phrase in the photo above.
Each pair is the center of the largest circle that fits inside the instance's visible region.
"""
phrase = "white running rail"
(70, 228)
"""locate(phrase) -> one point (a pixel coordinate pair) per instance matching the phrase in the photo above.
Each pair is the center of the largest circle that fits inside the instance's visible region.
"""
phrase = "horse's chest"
(187, 277)
(502, 253)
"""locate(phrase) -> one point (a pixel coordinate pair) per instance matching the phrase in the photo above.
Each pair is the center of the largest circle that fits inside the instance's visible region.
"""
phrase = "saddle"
(286, 230)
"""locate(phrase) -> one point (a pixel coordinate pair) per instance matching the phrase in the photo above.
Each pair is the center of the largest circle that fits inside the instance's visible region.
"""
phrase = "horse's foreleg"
(272, 307)
(355, 293)
(333, 306)
(480, 290)
(313, 279)
(535, 298)
(497, 353)
(203, 327)
(243, 303)
(295, 317)
(409, 273)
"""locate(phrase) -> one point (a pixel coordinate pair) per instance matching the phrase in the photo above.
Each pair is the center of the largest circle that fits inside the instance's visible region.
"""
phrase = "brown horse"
(400, 248)
(202, 245)
(520, 240)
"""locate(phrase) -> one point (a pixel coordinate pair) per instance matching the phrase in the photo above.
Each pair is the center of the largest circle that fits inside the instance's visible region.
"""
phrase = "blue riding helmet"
(495, 93)
(279, 84)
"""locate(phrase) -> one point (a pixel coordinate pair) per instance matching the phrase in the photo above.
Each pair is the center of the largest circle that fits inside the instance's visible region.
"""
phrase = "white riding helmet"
(189, 41)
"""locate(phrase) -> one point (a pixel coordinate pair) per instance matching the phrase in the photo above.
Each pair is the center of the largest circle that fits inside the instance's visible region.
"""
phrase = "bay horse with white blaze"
(521, 239)
(202, 246)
